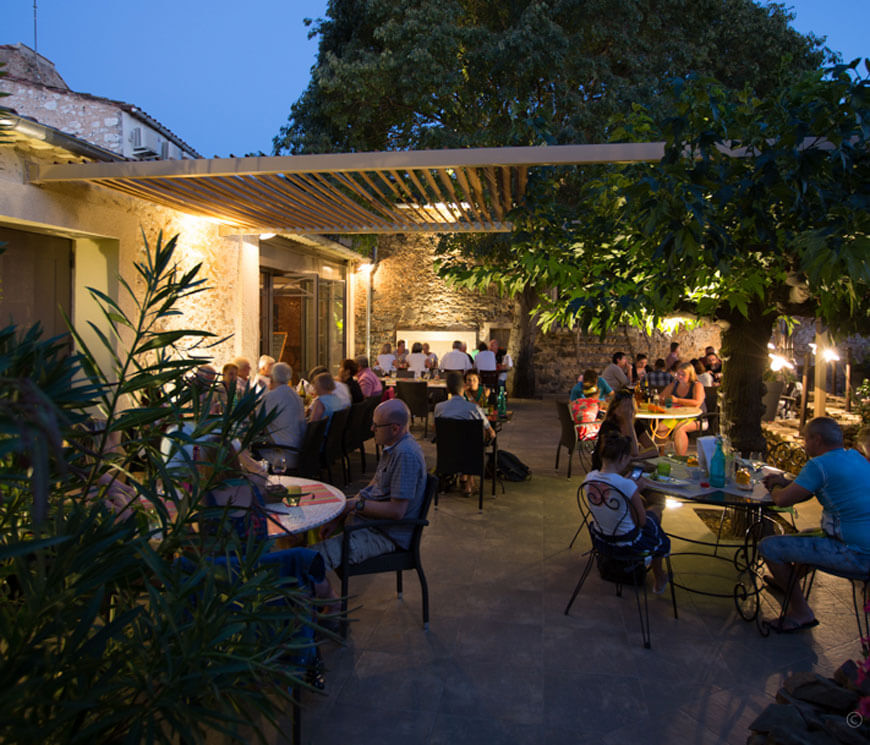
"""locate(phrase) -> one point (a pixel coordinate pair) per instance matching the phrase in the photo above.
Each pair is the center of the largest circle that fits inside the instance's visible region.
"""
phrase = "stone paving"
(501, 663)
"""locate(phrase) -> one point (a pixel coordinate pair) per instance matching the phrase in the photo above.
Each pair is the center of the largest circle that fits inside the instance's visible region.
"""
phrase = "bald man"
(395, 491)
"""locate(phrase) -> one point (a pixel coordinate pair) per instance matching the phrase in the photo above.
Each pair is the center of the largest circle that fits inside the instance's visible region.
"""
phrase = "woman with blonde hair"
(686, 390)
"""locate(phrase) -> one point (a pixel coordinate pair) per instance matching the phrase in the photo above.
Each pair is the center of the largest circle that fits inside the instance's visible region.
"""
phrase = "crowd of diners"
(487, 357)
(671, 380)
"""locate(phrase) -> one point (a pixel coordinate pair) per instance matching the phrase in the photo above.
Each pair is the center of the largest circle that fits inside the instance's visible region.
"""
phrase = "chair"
(568, 437)
(395, 561)
(308, 453)
(584, 414)
(460, 449)
(404, 374)
(354, 435)
(333, 446)
(414, 394)
(618, 564)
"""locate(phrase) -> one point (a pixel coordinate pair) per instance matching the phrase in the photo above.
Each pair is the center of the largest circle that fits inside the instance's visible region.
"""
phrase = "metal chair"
(618, 564)
(354, 436)
(568, 436)
(414, 394)
(461, 449)
(395, 561)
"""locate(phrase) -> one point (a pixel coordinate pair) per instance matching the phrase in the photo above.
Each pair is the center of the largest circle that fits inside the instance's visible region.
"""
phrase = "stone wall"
(409, 294)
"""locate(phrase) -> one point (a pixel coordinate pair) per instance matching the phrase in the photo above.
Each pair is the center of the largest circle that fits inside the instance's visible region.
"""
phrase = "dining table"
(751, 501)
(430, 382)
(320, 502)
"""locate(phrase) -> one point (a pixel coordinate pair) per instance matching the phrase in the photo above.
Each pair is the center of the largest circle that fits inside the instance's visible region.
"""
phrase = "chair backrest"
(711, 398)
(569, 434)
(609, 512)
(431, 490)
(404, 373)
(334, 445)
(414, 394)
(371, 404)
(354, 434)
(459, 445)
(308, 463)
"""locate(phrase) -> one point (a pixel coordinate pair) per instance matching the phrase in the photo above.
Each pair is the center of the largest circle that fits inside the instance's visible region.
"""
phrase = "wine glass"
(280, 466)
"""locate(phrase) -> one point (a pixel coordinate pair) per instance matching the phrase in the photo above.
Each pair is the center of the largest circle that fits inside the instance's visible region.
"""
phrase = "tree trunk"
(524, 333)
(744, 351)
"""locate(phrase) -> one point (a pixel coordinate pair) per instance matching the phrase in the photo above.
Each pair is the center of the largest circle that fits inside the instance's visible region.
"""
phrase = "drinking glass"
(280, 465)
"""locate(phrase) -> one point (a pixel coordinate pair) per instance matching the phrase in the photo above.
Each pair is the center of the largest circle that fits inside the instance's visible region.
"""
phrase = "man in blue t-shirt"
(840, 480)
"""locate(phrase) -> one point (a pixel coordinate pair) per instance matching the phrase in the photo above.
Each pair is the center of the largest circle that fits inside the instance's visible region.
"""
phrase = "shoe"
(789, 625)
(660, 590)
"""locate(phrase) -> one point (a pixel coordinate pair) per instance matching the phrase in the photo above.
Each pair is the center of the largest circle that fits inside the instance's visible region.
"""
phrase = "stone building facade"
(408, 294)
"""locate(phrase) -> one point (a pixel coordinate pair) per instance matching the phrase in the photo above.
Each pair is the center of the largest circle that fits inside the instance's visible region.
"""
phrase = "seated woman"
(417, 360)
(684, 391)
(386, 360)
(326, 403)
(346, 374)
(705, 377)
(619, 420)
(474, 391)
(638, 529)
(585, 408)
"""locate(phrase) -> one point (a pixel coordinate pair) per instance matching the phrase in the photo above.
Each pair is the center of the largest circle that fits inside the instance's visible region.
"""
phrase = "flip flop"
(790, 626)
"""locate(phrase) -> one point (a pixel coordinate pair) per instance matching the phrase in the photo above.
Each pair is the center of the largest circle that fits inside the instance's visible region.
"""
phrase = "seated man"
(395, 492)
(288, 426)
(456, 359)
(838, 478)
(616, 373)
(458, 407)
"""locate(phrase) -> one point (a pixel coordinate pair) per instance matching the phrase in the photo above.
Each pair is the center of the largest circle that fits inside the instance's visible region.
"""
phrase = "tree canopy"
(455, 73)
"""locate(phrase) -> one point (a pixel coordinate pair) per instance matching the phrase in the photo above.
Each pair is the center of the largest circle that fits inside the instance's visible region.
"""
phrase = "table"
(675, 412)
(746, 559)
(430, 382)
(322, 504)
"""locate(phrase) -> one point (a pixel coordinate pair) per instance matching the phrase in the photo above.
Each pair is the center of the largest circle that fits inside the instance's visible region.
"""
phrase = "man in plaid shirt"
(658, 377)
(395, 491)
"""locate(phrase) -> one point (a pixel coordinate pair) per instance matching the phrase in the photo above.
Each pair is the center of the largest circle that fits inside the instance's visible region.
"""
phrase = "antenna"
(35, 45)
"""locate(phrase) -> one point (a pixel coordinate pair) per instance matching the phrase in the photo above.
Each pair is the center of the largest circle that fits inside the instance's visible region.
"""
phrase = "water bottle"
(502, 404)
(717, 466)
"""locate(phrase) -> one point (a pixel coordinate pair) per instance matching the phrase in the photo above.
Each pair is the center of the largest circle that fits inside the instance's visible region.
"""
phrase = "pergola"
(430, 191)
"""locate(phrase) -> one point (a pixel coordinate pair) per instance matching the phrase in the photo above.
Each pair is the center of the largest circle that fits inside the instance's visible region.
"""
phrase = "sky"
(222, 74)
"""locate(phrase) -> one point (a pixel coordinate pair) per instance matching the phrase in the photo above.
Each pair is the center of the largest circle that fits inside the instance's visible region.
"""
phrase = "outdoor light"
(778, 362)
(829, 354)
(365, 268)
(267, 236)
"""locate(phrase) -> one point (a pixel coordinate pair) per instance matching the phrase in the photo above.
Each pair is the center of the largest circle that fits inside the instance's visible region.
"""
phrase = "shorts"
(364, 544)
(819, 551)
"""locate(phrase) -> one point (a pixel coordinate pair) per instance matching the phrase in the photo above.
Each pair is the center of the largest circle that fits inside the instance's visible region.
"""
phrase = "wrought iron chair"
(617, 563)
(396, 561)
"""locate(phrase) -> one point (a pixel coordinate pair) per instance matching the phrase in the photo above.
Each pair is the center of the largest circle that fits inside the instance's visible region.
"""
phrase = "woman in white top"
(386, 359)
(705, 377)
(417, 360)
(632, 526)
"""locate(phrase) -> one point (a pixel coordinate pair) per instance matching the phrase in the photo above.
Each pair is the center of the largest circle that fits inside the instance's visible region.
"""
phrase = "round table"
(675, 412)
(322, 503)
(430, 382)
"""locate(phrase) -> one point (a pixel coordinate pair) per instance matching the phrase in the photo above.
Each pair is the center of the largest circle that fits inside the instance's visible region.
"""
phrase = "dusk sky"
(222, 74)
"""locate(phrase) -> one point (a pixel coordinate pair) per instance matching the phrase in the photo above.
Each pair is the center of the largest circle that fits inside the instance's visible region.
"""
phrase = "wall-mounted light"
(829, 354)
(365, 268)
(778, 362)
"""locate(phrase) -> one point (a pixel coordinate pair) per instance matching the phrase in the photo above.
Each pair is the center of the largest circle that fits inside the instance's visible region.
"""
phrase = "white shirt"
(508, 364)
(455, 359)
(385, 362)
(342, 393)
(417, 363)
(485, 361)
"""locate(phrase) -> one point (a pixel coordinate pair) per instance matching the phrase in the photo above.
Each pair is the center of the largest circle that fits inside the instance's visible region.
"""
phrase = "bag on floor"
(510, 468)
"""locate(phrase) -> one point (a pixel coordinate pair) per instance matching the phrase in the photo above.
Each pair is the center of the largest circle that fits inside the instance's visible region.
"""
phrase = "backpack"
(509, 467)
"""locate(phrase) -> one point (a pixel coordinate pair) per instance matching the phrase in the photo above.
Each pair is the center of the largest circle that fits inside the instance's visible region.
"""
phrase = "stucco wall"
(409, 294)
(116, 222)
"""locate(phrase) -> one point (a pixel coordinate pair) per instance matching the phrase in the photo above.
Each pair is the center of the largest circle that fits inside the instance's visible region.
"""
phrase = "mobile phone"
(635, 473)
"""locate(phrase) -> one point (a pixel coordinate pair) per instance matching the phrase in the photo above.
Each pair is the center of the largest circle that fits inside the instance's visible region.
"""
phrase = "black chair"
(354, 435)
(404, 374)
(307, 454)
(618, 564)
(461, 449)
(396, 561)
(414, 394)
(568, 436)
(333, 446)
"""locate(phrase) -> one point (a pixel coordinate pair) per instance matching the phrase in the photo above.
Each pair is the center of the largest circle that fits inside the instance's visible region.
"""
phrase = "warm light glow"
(771, 345)
(813, 347)
(778, 362)
(267, 236)
(672, 323)
(365, 268)
(672, 504)
(829, 354)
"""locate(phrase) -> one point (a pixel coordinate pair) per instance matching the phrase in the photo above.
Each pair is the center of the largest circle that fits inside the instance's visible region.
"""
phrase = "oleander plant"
(116, 623)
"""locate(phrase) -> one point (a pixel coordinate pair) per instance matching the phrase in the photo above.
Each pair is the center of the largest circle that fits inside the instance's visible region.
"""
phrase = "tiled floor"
(501, 663)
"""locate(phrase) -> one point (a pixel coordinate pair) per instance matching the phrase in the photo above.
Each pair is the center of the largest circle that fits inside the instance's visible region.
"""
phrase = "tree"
(759, 209)
(464, 73)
